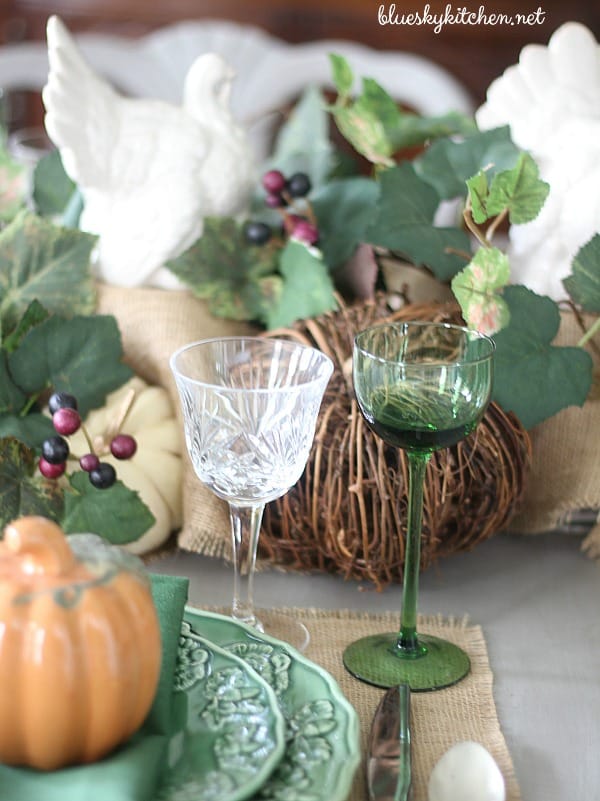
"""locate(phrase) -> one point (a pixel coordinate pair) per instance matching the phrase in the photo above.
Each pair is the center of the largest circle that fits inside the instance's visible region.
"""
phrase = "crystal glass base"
(282, 627)
(376, 660)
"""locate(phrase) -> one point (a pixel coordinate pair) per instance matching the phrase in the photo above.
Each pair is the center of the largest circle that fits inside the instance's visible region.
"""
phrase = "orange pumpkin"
(80, 646)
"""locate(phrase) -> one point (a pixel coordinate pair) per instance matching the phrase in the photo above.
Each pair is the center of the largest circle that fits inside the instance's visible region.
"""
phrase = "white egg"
(466, 772)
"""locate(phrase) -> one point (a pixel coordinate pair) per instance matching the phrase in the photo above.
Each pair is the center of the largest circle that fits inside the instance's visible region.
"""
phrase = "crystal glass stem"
(407, 640)
(245, 529)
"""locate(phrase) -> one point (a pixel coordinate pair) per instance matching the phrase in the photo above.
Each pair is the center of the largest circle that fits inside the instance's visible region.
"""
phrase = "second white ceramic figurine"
(149, 171)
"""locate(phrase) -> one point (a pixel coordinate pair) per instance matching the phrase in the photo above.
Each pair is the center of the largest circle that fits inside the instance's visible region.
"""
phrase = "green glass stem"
(245, 530)
(408, 644)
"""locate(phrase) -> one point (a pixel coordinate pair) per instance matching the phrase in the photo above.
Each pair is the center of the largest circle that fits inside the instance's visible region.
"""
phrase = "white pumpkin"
(156, 469)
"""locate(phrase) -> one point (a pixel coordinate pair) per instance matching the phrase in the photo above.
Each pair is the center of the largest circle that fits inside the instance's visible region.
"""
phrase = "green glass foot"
(376, 660)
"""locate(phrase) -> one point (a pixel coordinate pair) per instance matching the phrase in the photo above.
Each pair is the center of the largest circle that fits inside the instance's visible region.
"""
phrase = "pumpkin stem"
(40, 544)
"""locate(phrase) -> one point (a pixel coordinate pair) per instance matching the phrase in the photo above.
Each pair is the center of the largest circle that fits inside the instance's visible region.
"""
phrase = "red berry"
(306, 232)
(274, 201)
(274, 182)
(66, 421)
(89, 462)
(292, 221)
(49, 470)
(123, 446)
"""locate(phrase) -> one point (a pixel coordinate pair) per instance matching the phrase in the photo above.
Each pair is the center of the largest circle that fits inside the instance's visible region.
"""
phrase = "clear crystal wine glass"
(250, 407)
(420, 387)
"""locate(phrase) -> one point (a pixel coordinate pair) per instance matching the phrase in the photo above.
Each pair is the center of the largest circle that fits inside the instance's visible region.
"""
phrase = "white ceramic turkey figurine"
(551, 101)
(149, 171)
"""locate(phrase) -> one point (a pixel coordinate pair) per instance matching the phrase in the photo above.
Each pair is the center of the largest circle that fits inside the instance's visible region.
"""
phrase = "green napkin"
(131, 772)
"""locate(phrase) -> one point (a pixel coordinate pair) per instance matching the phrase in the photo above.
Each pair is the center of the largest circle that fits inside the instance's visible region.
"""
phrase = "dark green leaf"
(344, 210)
(583, 285)
(12, 397)
(343, 76)
(81, 355)
(448, 164)
(39, 261)
(118, 514)
(22, 492)
(32, 429)
(403, 222)
(52, 187)
(532, 377)
(34, 314)
(307, 289)
(519, 190)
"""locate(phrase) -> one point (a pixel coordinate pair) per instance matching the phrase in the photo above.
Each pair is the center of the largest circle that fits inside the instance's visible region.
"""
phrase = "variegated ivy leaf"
(478, 195)
(520, 190)
(477, 288)
(343, 77)
(361, 126)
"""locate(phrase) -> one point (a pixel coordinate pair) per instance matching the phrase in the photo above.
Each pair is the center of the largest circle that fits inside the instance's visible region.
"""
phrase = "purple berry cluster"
(282, 194)
(55, 450)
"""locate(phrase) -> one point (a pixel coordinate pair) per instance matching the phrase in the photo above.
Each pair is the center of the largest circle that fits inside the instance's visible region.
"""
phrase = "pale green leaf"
(520, 190)
(40, 261)
(343, 76)
(478, 194)
(478, 289)
(365, 132)
(415, 129)
(532, 377)
(303, 143)
(52, 187)
(380, 104)
(583, 285)
(307, 287)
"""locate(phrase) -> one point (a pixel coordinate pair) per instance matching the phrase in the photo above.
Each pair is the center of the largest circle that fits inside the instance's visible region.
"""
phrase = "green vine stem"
(589, 334)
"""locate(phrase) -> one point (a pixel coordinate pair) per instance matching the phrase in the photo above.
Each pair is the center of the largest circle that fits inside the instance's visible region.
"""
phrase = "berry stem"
(31, 401)
(114, 429)
(87, 438)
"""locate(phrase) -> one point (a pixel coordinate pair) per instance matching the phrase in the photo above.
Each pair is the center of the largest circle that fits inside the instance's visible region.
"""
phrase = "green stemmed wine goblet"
(421, 387)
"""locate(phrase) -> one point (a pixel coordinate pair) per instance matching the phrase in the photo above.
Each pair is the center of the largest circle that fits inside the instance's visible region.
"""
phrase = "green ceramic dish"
(230, 732)
(323, 746)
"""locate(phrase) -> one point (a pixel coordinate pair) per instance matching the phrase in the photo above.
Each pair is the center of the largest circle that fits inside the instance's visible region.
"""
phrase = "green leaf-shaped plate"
(322, 739)
(230, 731)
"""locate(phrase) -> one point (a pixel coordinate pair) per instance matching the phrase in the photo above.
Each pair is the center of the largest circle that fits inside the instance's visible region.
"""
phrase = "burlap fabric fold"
(565, 470)
(153, 324)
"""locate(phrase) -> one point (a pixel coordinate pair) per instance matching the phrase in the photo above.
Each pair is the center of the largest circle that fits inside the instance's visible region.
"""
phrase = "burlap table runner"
(438, 719)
